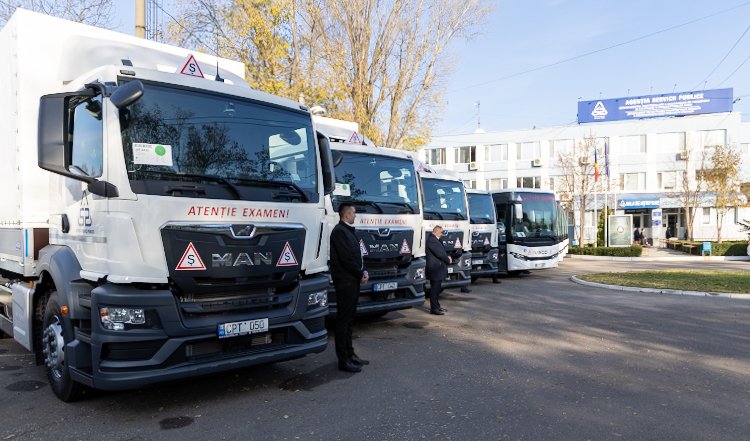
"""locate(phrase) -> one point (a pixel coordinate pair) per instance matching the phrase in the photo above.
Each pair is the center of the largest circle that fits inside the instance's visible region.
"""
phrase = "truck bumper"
(175, 344)
(409, 292)
(484, 264)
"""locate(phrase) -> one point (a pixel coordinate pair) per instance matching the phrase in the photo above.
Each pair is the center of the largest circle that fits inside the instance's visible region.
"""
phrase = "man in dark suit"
(348, 273)
(437, 268)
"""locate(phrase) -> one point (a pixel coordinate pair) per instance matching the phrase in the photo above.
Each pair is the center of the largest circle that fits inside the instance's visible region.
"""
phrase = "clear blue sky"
(521, 35)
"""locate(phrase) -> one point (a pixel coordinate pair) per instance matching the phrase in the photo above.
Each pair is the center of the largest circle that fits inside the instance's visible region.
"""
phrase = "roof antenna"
(218, 77)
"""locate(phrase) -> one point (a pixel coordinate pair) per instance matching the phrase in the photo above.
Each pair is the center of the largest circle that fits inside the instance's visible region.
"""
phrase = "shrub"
(717, 249)
(631, 251)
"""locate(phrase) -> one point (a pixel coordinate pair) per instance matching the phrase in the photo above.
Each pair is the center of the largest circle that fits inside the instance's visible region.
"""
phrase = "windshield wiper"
(232, 188)
(400, 204)
(436, 213)
(370, 203)
(277, 184)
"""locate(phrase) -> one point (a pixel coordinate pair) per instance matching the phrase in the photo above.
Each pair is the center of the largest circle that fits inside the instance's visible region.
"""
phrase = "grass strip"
(707, 281)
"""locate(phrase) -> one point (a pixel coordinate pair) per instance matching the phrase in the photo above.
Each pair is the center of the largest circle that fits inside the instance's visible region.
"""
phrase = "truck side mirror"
(127, 94)
(326, 161)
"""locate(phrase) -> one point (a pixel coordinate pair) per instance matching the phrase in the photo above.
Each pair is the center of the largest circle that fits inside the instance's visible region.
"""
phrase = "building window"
(551, 183)
(561, 147)
(633, 182)
(744, 148)
(470, 183)
(466, 154)
(667, 180)
(496, 152)
(632, 145)
(529, 150)
(529, 182)
(672, 142)
(498, 184)
(706, 216)
(436, 156)
(713, 138)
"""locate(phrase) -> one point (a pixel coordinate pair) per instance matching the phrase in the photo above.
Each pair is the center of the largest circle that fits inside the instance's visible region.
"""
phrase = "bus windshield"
(443, 199)
(538, 217)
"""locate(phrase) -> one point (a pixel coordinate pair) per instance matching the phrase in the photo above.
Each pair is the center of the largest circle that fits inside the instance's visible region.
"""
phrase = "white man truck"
(445, 205)
(157, 223)
(383, 185)
(483, 225)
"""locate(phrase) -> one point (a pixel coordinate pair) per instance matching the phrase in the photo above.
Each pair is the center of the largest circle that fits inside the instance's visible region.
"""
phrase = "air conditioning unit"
(536, 162)
(583, 160)
(683, 156)
(472, 166)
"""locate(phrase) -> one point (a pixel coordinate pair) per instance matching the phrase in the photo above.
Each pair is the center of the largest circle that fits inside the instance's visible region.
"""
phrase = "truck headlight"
(419, 274)
(317, 298)
(115, 318)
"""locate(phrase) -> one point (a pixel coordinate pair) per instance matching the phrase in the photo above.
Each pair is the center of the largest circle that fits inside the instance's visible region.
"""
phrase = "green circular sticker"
(160, 150)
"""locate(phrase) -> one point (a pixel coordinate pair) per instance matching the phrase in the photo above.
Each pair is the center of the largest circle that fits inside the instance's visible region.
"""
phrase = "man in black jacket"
(437, 268)
(348, 273)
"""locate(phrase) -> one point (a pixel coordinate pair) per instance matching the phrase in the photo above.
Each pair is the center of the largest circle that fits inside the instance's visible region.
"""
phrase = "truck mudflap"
(378, 296)
(173, 342)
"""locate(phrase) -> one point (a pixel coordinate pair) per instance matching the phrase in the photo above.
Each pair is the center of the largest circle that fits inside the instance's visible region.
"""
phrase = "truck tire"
(55, 336)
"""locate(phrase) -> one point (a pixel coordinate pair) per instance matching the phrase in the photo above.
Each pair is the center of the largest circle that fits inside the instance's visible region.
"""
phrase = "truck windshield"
(539, 216)
(443, 199)
(376, 184)
(481, 208)
(224, 146)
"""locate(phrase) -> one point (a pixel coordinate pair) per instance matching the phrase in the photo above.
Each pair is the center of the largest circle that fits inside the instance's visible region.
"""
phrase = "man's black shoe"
(495, 280)
(444, 309)
(359, 361)
(349, 366)
(438, 312)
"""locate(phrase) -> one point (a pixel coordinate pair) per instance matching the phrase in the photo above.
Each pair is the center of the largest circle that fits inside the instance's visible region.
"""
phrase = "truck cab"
(483, 225)
(383, 185)
(445, 204)
(171, 218)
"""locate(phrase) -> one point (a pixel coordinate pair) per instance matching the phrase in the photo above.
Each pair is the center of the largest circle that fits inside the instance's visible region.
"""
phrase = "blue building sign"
(655, 106)
(637, 201)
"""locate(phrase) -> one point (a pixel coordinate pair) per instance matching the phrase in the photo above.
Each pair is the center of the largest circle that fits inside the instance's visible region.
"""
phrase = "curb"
(678, 292)
(663, 259)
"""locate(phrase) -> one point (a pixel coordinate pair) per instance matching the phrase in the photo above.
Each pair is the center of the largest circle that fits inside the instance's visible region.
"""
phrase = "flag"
(596, 167)
(606, 158)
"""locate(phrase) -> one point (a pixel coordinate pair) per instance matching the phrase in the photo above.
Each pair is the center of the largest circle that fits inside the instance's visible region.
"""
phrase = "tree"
(723, 180)
(91, 12)
(691, 194)
(577, 180)
(378, 63)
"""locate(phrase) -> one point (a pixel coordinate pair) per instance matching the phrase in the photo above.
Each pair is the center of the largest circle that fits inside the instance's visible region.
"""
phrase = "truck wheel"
(55, 336)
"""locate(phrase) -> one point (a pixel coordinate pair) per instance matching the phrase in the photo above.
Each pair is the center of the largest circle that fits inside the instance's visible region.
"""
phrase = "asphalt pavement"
(536, 357)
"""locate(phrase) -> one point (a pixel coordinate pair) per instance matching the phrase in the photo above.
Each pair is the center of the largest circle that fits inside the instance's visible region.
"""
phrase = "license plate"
(235, 329)
(385, 286)
(450, 270)
(477, 261)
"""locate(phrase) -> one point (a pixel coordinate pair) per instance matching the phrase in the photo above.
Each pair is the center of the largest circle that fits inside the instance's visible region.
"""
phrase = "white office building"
(646, 161)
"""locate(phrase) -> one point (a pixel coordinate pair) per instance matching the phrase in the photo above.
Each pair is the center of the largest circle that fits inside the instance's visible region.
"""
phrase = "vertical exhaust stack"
(140, 18)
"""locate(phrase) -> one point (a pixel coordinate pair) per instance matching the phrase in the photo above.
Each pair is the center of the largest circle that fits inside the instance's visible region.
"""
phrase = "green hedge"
(631, 251)
(717, 249)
